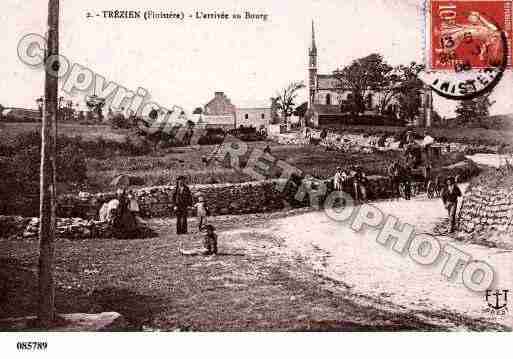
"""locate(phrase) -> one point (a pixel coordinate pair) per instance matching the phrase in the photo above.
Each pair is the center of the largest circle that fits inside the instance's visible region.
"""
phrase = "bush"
(19, 183)
(71, 165)
(100, 148)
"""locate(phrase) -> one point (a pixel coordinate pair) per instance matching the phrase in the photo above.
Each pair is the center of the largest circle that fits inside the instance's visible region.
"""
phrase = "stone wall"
(239, 198)
(71, 228)
(233, 198)
(486, 210)
(81, 214)
(358, 142)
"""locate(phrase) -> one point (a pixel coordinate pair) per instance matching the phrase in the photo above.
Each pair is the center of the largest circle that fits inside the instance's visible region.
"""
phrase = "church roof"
(330, 82)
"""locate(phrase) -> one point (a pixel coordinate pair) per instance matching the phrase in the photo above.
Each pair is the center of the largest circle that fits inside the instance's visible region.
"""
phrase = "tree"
(475, 109)
(286, 99)
(197, 111)
(300, 111)
(363, 75)
(409, 104)
(408, 90)
(400, 81)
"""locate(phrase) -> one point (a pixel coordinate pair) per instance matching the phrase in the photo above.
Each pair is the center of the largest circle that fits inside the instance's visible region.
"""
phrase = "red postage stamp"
(469, 34)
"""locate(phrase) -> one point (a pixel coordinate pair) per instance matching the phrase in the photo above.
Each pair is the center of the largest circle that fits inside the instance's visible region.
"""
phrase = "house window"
(263, 116)
(246, 116)
(328, 99)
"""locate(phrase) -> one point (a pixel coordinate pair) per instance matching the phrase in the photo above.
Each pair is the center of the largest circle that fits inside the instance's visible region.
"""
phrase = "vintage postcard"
(254, 166)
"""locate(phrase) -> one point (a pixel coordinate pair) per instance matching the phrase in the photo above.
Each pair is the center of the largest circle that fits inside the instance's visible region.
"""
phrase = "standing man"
(426, 144)
(360, 185)
(450, 196)
(182, 199)
(394, 173)
(405, 179)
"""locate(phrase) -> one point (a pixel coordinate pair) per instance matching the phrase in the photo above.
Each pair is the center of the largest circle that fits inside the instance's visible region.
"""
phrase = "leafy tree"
(408, 90)
(401, 81)
(286, 99)
(300, 111)
(475, 109)
(364, 75)
(409, 104)
(197, 111)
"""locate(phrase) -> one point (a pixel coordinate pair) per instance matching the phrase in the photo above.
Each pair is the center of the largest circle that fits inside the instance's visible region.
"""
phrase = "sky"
(184, 63)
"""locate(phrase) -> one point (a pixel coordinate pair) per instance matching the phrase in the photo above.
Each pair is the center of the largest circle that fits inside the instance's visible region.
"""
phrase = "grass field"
(9, 130)
(165, 165)
(163, 169)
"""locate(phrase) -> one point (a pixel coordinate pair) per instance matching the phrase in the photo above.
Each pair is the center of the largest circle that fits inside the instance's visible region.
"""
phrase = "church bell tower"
(312, 69)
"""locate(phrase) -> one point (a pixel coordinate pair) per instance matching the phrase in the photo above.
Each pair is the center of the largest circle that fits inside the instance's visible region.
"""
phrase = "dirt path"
(366, 269)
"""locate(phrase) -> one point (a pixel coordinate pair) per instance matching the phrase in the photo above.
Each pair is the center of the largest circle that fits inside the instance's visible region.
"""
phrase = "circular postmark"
(469, 53)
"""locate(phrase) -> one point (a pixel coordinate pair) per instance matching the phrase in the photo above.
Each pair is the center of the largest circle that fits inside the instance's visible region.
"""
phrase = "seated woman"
(124, 223)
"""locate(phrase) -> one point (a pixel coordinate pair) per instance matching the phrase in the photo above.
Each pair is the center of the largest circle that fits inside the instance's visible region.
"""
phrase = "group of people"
(183, 202)
(355, 179)
(400, 180)
(123, 214)
(401, 177)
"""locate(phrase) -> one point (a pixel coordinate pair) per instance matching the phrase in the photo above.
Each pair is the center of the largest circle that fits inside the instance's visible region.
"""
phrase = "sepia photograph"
(254, 167)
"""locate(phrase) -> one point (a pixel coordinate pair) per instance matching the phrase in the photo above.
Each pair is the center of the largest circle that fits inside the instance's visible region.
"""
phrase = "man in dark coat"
(450, 196)
(182, 198)
(405, 179)
(394, 173)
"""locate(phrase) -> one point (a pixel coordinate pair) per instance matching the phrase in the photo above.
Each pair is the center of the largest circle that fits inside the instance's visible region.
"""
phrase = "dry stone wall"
(485, 210)
(232, 198)
(360, 142)
(79, 214)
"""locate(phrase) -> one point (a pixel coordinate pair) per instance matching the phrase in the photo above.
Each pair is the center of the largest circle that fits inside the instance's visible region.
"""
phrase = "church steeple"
(313, 47)
(312, 68)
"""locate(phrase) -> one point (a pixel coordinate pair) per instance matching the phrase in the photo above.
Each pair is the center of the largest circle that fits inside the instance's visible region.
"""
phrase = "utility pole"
(46, 305)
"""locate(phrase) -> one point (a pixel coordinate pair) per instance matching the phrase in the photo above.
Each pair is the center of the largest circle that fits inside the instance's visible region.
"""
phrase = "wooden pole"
(46, 305)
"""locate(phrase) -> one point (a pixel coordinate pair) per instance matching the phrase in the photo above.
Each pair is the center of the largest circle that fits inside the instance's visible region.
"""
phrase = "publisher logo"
(497, 301)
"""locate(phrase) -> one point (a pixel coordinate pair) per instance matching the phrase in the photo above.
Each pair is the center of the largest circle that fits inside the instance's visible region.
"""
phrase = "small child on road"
(209, 244)
(201, 212)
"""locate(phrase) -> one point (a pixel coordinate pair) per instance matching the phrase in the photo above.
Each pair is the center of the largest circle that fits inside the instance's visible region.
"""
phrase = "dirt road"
(366, 269)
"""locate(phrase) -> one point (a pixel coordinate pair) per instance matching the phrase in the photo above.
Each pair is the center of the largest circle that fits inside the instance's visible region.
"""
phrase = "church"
(327, 95)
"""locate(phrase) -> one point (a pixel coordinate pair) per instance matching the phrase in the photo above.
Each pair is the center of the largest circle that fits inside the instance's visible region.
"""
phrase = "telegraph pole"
(46, 305)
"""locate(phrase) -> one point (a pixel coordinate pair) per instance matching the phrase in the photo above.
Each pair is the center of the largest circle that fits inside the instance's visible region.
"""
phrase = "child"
(210, 240)
(201, 212)
(209, 244)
